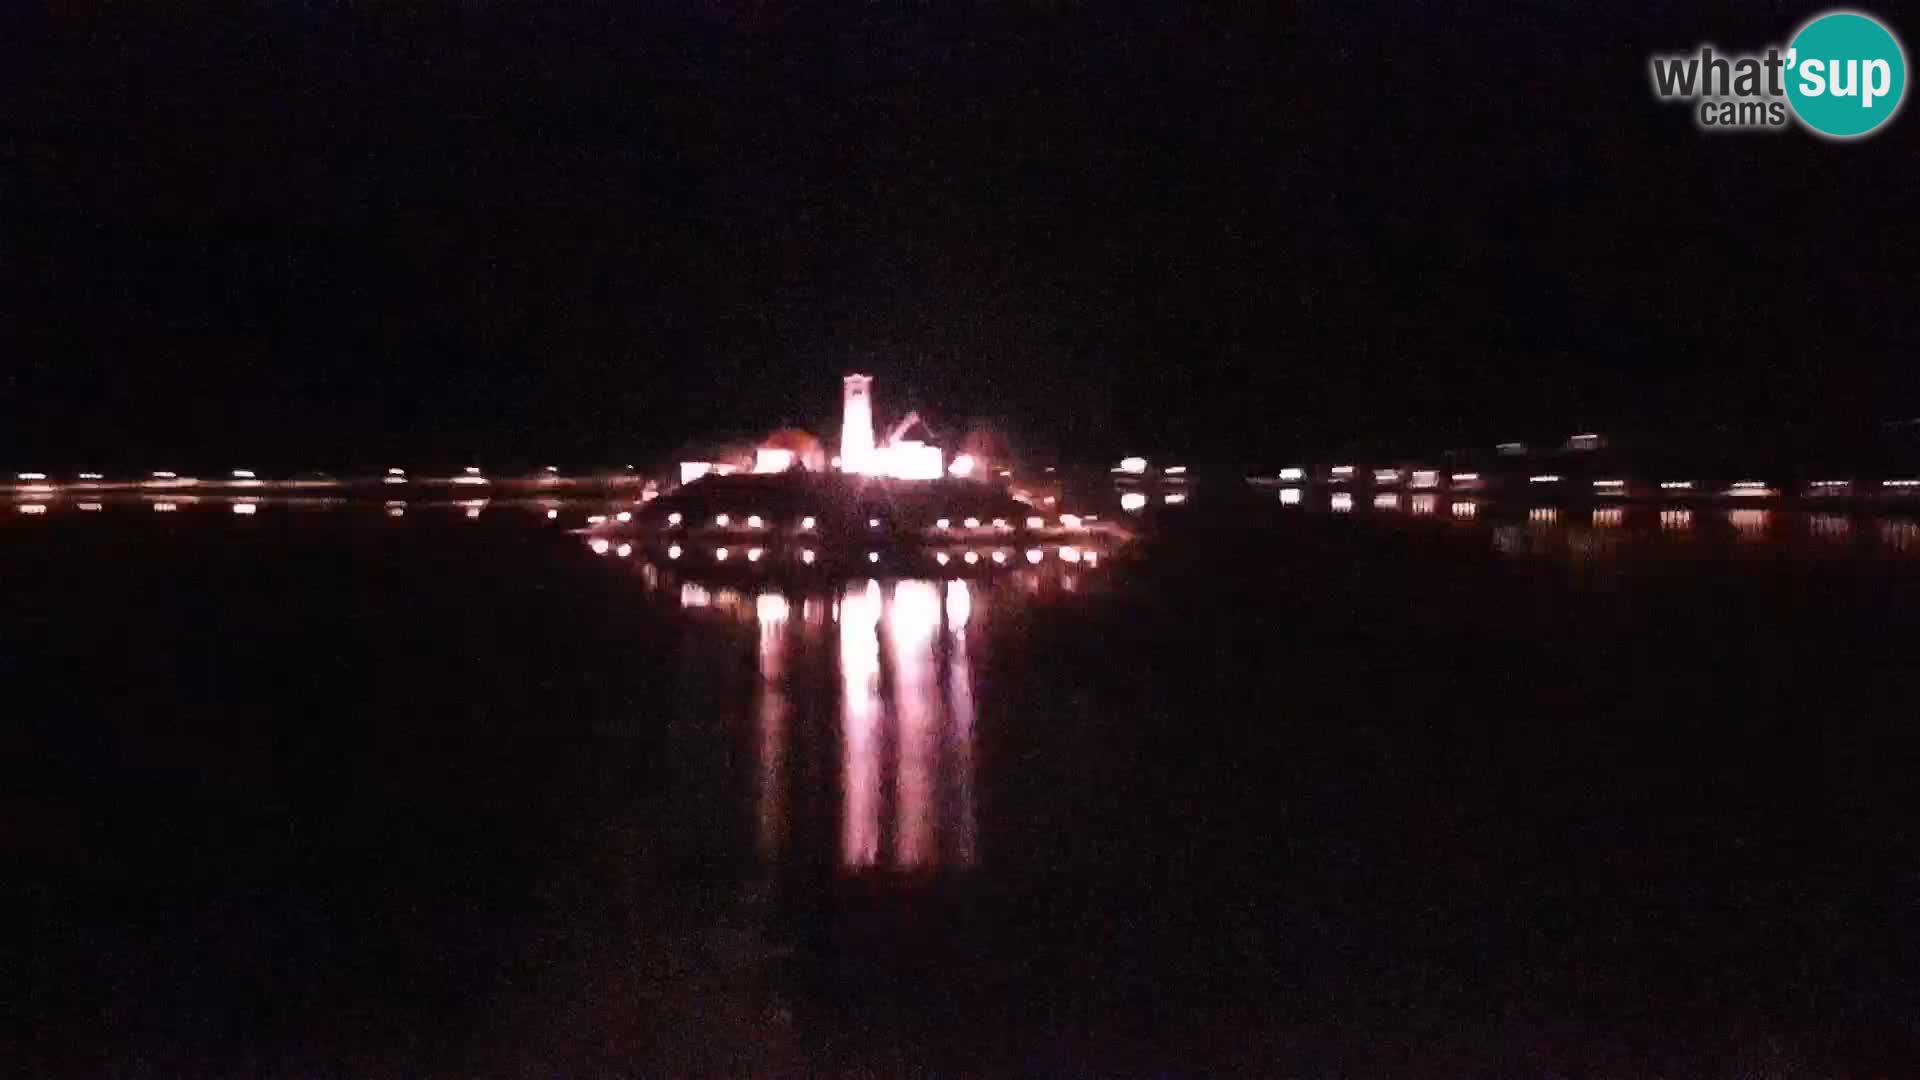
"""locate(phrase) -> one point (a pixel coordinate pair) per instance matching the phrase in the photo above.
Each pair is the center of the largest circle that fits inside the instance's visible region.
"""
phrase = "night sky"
(319, 234)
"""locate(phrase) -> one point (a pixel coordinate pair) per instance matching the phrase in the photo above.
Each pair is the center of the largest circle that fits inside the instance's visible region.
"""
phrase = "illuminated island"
(894, 503)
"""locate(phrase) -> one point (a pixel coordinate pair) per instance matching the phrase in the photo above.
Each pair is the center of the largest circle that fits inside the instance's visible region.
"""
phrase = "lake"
(1403, 790)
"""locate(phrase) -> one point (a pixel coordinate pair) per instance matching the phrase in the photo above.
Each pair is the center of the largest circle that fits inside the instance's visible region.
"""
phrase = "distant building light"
(623, 550)
(1545, 478)
(873, 556)
(91, 506)
(553, 468)
(1001, 524)
(1290, 496)
(245, 508)
(971, 523)
(943, 523)
(1176, 499)
(1614, 484)
(972, 557)
(673, 551)
(31, 509)
(753, 521)
(623, 516)
(1133, 502)
(754, 554)
(1034, 555)
(397, 511)
(940, 557)
(720, 554)
(1900, 483)
(89, 476)
(33, 476)
(1586, 441)
(1000, 557)
(1386, 476)
(596, 519)
(600, 545)
(674, 518)
(1343, 471)
(1069, 521)
(873, 523)
(243, 474)
(1070, 554)
(1176, 470)
(1133, 465)
(807, 522)
(1386, 502)
(1465, 509)
(1423, 504)
(772, 459)
(165, 476)
(1511, 449)
(1466, 478)
(164, 508)
(1036, 523)
(1425, 478)
(1749, 489)
(1676, 485)
(722, 520)
(473, 470)
(551, 514)
(806, 556)
(396, 472)
(962, 465)
(1292, 473)
(1341, 502)
(694, 470)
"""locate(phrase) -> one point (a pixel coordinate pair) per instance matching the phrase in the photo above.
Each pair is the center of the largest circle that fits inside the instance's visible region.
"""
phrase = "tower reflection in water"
(861, 734)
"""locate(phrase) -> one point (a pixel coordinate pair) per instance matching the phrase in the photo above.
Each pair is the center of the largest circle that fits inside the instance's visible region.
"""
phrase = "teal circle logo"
(1846, 74)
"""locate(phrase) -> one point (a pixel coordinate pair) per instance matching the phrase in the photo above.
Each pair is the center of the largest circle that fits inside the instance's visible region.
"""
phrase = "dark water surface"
(1394, 792)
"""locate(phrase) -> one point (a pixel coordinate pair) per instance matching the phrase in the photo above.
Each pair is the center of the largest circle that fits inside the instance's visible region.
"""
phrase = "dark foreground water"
(325, 792)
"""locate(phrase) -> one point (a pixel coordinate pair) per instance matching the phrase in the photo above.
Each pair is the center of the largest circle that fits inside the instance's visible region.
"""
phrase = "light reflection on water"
(895, 678)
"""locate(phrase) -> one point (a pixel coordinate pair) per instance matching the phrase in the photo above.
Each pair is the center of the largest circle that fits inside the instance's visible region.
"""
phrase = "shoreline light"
(1676, 485)
(90, 476)
(1546, 478)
